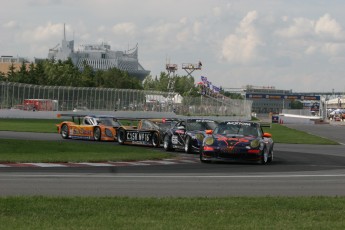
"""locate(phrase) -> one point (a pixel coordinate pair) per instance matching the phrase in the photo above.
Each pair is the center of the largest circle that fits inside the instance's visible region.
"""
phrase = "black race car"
(149, 132)
(234, 141)
(187, 134)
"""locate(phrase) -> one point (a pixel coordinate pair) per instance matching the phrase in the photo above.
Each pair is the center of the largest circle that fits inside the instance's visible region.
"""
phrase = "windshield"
(109, 121)
(238, 128)
(194, 125)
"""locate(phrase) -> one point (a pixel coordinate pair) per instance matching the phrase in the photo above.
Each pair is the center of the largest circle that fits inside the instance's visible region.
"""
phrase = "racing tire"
(270, 156)
(188, 145)
(202, 160)
(264, 156)
(167, 145)
(121, 136)
(97, 134)
(64, 131)
(155, 140)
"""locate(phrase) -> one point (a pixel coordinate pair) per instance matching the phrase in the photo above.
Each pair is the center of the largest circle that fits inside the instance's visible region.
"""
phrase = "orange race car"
(89, 127)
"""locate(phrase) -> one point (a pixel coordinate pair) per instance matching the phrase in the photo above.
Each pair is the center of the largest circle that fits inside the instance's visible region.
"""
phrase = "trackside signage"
(282, 96)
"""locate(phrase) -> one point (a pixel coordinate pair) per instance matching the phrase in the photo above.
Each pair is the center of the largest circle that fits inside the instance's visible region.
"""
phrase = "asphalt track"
(297, 170)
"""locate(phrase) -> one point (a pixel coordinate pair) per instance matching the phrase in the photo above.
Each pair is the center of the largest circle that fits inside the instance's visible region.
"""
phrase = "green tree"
(296, 105)
(39, 74)
(11, 74)
(87, 76)
(22, 74)
(3, 76)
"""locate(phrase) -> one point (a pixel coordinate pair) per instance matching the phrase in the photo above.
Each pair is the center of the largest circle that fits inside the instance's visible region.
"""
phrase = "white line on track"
(177, 176)
(47, 165)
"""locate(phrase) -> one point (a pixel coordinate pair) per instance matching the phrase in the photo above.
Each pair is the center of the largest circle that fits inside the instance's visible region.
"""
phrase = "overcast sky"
(294, 44)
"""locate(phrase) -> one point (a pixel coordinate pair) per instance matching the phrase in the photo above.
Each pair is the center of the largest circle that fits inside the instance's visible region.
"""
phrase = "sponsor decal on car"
(80, 131)
(238, 123)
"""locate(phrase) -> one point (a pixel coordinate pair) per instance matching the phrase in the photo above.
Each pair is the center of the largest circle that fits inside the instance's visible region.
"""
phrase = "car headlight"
(209, 141)
(199, 136)
(254, 144)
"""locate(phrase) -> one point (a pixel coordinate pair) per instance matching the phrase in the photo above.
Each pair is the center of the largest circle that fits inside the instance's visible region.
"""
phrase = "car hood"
(234, 138)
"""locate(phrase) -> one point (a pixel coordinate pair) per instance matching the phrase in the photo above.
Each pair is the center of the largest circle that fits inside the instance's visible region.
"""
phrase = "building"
(7, 61)
(272, 100)
(100, 57)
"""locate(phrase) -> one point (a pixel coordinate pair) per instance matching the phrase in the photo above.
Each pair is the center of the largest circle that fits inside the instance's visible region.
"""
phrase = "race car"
(237, 141)
(187, 135)
(148, 132)
(89, 127)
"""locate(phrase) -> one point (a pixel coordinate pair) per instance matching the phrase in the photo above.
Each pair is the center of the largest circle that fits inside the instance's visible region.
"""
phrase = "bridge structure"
(326, 95)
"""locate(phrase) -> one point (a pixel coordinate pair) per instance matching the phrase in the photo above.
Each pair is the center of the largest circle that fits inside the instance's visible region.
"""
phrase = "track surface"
(297, 170)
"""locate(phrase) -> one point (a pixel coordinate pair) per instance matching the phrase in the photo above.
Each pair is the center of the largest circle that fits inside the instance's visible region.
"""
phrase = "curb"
(102, 164)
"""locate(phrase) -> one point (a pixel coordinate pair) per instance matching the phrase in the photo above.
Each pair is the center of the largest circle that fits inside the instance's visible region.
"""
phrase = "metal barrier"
(19, 95)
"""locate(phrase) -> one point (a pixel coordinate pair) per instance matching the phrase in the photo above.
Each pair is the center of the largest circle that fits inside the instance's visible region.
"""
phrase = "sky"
(291, 45)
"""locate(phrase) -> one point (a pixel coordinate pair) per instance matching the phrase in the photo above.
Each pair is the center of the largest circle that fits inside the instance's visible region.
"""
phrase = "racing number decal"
(174, 139)
(135, 136)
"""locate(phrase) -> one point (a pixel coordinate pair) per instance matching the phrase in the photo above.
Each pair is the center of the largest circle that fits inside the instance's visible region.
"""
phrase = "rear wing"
(79, 117)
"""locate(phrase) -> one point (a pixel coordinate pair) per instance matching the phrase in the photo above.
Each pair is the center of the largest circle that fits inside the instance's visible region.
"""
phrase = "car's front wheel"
(188, 145)
(270, 156)
(97, 133)
(203, 160)
(264, 156)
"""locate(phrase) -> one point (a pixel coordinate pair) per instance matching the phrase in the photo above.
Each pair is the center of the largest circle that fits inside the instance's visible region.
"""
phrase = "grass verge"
(70, 151)
(283, 134)
(172, 213)
(29, 125)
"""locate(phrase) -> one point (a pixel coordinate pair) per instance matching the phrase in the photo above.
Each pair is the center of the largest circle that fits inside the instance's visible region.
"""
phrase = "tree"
(22, 74)
(296, 105)
(87, 76)
(11, 74)
(2, 76)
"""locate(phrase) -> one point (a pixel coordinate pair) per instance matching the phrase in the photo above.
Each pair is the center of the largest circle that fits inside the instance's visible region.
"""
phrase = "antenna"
(64, 31)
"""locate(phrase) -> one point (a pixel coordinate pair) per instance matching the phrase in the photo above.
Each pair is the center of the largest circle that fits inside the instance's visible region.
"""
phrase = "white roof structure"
(336, 103)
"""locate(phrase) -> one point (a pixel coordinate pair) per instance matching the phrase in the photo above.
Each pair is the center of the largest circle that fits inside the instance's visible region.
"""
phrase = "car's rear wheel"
(188, 145)
(167, 143)
(155, 140)
(64, 131)
(97, 133)
(121, 136)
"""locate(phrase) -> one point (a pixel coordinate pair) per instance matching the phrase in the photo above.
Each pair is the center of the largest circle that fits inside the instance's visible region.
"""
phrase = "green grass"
(70, 151)
(29, 125)
(283, 134)
(172, 213)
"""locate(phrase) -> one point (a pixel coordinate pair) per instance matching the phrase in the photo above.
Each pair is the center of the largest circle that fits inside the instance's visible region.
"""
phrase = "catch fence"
(62, 98)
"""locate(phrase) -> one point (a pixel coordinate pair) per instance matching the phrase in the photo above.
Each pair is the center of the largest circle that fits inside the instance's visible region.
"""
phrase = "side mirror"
(210, 131)
(268, 135)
